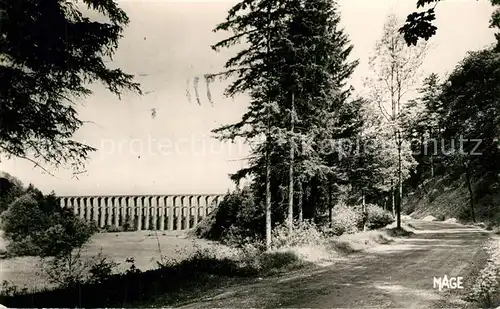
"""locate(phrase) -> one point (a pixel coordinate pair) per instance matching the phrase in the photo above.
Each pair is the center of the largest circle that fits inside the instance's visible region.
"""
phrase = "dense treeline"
(320, 150)
(454, 126)
(316, 144)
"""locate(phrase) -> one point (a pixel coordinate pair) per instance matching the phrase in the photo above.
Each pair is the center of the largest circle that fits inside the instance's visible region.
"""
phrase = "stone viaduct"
(143, 212)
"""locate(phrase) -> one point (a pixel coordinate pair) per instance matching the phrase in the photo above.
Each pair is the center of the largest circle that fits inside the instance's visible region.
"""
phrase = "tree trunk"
(393, 193)
(313, 194)
(268, 197)
(471, 193)
(290, 186)
(268, 149)
(400, 188)
(330, 204)
(363, 204)
(363, 207)
(432, 166)
(431, 156)
(301, 193)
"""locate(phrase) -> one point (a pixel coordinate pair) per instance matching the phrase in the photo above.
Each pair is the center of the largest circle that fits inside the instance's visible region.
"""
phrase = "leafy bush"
(10, 189)
(377, 217)
(486, 288)
(304, 233)
(10, 289)
(72, 269)
(64, 270)
(344, 220)
(236, 220)
(100, 268)
(35, 224)
(275, 261)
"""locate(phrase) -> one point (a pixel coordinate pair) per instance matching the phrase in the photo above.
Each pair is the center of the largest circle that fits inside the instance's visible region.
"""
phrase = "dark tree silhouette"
(419, 25)
(50, 51)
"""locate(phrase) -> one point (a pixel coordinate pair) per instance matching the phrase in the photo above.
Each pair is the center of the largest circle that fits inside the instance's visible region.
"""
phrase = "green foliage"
(35, 224)
(10, 189)
(66, 270)
(235, 219)
(285, 59)
(47, 63)
(345, 220)
(419, 25)
(10, 289)
(377, 217)
(100, 268)
(486, 288)
(304, 233)
(73, 269)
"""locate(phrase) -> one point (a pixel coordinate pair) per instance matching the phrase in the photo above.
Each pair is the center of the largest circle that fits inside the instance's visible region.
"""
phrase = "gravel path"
(398, 275)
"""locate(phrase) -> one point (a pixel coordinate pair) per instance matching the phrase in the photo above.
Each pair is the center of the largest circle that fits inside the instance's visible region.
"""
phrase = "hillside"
(444, 197)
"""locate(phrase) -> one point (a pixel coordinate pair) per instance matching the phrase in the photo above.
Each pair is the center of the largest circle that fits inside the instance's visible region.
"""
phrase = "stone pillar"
(196, 210)
(210, 201)
(147, 209)
(125, 210)
(185, 212)
(154, 212)
(161, 212)
(82, 205)
(116, 211)
(139, 212)
(178, 212)
(95, 209)
(109, 211)
(62, 202)
(102, 211)
(88, 208)
(203, 205)
(75, 205)
(171, 212)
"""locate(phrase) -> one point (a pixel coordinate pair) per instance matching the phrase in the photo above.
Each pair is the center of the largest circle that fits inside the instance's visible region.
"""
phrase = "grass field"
(143, 246)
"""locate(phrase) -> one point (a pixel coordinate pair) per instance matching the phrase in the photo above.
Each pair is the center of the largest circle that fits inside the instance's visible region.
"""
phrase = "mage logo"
(446, 282)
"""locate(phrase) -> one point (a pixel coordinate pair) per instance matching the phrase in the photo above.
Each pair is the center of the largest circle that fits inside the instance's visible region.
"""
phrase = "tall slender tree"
(395, 69)
(305, 84)
(260, 23)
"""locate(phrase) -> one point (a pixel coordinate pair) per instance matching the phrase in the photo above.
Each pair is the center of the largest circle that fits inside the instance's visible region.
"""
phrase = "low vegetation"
(486, 289)
(57, 238)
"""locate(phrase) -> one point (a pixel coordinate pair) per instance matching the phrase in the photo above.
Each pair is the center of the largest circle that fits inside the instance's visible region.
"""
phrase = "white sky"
(171, 41)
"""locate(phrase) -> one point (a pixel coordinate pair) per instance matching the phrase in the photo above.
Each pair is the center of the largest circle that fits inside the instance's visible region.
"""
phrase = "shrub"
(8, 288)
(35, 224)
(72, 269)
(274, 261)
(10, 189)
(64, 270)
(485, 290)
(344, 220)
(304, 233)
(486, 286)
(128, 225)
(100, 268)
(377, 217)
(237, 218)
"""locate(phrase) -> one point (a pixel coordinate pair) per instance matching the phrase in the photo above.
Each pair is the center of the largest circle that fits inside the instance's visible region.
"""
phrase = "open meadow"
(142, 246)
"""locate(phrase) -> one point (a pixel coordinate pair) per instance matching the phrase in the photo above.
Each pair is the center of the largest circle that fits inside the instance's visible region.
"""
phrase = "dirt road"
(399, 275)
